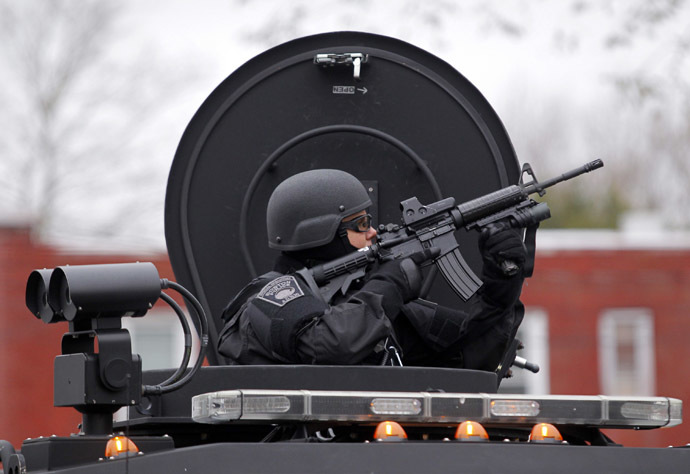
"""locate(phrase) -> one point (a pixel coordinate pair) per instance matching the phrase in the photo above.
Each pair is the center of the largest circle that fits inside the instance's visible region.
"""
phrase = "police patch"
(281, 291)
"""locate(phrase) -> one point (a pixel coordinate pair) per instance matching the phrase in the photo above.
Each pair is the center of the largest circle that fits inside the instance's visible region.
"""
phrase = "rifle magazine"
(458, 274)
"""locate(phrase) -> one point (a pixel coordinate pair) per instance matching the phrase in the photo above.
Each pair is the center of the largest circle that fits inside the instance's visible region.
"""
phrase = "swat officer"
(316, 216)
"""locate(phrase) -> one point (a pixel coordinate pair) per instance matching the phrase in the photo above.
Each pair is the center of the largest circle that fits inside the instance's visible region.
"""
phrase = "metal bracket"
(347, 59)
(16, 464)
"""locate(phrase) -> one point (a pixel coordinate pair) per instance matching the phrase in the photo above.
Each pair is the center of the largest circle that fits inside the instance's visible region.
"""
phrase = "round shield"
(401, 120)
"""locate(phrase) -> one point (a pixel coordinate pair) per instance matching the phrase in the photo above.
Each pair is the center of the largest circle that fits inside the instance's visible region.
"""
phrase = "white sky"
(556, 48)
(554, 53)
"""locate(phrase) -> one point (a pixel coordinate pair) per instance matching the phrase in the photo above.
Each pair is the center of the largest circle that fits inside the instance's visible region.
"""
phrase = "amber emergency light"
(545, 433)
(389, 431)
(118, 445)
(471, 431)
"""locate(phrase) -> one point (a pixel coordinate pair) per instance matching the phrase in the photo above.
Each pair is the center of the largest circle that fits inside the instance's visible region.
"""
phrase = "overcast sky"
(519, 54)
(495, 43)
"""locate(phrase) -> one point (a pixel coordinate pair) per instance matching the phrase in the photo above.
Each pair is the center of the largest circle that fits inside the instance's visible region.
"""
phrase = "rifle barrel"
(591, 166)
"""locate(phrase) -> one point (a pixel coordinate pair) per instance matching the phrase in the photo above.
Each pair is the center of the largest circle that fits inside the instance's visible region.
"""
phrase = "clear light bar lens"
(515, 408)
(675, 412)
(217, 407)
(396, 406)
(266, 405)
(645, 411)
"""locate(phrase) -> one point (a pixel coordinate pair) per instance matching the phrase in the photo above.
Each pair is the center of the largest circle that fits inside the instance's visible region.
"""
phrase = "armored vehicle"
(406, 124)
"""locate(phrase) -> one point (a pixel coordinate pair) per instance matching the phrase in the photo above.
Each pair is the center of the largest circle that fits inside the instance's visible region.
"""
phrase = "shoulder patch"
(281, 291)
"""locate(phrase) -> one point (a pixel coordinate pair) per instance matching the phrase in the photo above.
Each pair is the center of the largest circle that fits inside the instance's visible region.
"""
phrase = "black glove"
(503, 250)
(403, 273)
(399, 281)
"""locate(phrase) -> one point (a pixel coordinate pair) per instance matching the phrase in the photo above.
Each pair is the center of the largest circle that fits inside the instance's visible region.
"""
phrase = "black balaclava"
(339, 246)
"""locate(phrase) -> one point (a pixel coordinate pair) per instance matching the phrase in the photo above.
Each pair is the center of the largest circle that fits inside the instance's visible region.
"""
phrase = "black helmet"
(306, 209)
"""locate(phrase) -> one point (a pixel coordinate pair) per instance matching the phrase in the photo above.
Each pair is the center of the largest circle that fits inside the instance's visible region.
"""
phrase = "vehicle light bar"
(435, 408)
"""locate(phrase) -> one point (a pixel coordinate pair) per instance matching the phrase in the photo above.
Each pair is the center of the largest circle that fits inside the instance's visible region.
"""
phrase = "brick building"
(607, 314)
(610, 312)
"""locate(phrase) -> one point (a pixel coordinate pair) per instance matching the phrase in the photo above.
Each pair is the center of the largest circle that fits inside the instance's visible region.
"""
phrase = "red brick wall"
(574, 287)
(28, 346)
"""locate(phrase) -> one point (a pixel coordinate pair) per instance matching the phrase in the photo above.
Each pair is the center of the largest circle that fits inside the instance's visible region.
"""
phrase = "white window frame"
(642, 320)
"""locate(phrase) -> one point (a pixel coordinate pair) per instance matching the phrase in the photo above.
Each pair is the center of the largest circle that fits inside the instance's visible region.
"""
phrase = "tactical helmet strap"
(347, 246)
(340, 245)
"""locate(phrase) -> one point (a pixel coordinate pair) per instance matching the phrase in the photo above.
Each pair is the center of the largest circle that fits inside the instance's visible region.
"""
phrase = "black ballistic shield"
(403, 122)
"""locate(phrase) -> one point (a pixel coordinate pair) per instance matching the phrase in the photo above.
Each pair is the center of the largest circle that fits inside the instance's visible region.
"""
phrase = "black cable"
(187, 340)
(203, 340)
(201, 314)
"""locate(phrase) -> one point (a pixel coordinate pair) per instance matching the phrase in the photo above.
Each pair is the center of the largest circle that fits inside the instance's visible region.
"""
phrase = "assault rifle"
(432, 226)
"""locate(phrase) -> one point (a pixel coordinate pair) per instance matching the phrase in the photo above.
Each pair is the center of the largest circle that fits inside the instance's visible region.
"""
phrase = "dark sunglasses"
(359, 224)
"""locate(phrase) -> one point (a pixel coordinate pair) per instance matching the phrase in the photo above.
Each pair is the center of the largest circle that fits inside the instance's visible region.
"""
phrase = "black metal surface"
(56, 452)
(421, 129)
(301, 377)
(80, 381)
(401, 458)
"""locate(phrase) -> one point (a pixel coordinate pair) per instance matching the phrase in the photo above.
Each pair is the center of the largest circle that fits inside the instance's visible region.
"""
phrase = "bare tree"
(648, 119)
(639, 123)
(84, 122)
(51, 47)
(78, 138)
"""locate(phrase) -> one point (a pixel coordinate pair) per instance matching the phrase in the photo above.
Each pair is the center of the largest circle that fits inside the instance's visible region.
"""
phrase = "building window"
(534, 334)
(626, 352)
(158, 338)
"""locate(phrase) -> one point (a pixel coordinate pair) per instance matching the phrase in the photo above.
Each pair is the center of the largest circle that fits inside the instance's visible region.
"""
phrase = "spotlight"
(115, 290)
(37, 296)
(97, 372)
